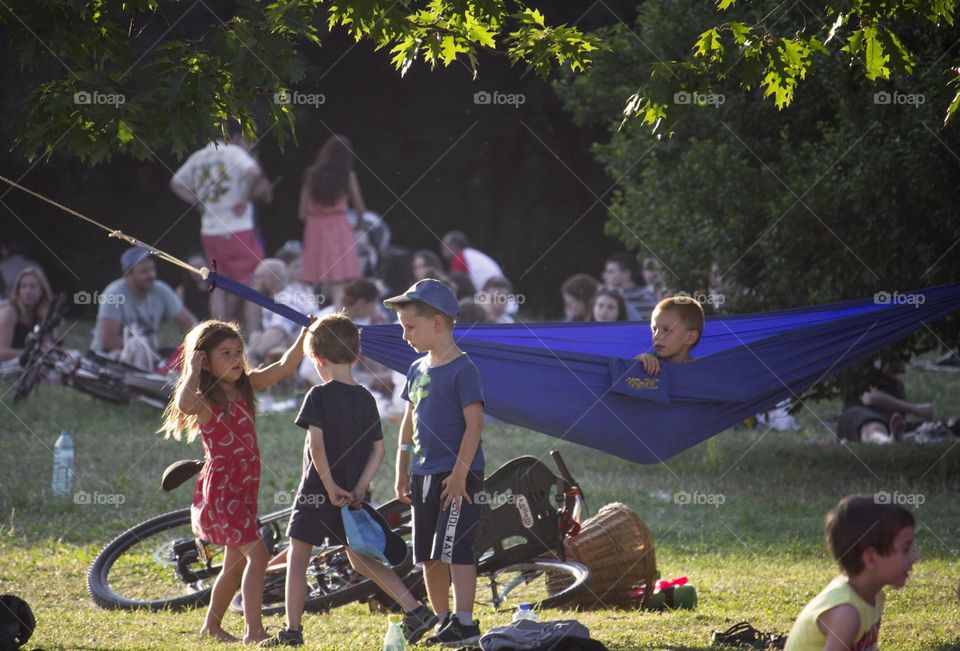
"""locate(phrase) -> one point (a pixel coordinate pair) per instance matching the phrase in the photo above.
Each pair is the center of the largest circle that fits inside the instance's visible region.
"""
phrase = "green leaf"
(952, 109)
(708, 45)
(741, 33)
(723, 5)
(836, 25)
(876, 59)
(124, 133)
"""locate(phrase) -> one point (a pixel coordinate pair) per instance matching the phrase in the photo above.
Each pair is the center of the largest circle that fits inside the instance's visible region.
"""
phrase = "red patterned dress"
(224, 510)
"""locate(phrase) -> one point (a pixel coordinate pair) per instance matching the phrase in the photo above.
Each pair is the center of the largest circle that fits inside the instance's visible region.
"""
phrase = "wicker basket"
(618, 549)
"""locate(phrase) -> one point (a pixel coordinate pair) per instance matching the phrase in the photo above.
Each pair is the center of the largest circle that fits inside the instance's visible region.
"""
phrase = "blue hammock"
(579, 382)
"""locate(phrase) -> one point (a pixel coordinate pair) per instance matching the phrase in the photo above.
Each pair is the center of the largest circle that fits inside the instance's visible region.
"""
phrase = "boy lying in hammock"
(676, 326)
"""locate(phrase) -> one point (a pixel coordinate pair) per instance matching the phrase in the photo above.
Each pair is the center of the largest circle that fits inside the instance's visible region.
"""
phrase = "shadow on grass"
(948, 646)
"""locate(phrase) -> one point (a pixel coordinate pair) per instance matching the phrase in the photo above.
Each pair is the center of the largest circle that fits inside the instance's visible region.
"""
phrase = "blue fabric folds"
(579, 382)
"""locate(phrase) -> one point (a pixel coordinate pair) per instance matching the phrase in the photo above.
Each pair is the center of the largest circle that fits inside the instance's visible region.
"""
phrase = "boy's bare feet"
(217, 633)
(256, 637)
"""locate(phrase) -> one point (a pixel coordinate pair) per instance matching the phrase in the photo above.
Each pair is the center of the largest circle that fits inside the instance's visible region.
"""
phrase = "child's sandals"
(745, 635)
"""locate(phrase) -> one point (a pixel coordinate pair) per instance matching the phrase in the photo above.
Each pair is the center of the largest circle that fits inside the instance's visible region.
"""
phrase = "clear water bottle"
(525, 611)
(63, 465)
(394, 640)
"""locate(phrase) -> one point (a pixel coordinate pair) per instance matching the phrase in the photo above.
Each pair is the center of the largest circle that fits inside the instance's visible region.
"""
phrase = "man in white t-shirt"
(223, 178)
(477, 264)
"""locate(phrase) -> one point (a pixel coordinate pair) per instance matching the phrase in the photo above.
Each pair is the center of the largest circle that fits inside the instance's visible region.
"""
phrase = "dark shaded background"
(519, 181)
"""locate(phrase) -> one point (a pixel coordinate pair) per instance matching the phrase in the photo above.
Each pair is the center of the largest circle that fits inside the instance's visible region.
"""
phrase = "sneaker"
(456, 635)
(417, 623)
(284, 637)
(440, 626)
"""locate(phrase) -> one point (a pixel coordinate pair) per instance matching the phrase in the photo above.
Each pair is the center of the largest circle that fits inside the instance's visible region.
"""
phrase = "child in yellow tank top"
(873, 544)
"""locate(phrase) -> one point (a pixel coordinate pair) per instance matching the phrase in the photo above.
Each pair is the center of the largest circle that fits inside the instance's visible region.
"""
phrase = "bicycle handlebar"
(562, 467)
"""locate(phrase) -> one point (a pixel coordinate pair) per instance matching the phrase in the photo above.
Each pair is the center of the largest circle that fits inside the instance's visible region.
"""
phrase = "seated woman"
(29, 301)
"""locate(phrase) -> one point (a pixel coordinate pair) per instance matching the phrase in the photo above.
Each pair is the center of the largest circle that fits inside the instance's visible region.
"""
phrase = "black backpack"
(16, 622)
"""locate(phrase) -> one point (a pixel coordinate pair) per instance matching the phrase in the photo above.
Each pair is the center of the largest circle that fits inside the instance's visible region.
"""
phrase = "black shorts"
(317, 525)
(444, 535)
(853, 417)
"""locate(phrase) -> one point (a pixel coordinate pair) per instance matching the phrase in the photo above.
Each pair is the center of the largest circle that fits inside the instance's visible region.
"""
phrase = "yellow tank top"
(806, 635)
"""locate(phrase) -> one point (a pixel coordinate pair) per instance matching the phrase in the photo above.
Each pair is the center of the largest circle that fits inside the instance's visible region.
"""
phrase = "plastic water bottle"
(394, 640)
(63, 465)
(525, 611)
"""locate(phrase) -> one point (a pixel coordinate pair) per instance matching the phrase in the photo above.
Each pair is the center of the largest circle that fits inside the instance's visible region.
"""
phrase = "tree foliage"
(756, 49)
(107, 77)
(849, 193)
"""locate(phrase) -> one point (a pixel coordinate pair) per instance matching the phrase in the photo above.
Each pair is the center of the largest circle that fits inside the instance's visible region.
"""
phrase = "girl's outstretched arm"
(266, 376)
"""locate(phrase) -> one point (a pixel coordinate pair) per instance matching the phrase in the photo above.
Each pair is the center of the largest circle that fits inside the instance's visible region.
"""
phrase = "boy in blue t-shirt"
(441, 432)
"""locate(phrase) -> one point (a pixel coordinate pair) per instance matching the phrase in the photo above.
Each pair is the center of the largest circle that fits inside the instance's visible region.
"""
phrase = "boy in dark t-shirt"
(341, 454)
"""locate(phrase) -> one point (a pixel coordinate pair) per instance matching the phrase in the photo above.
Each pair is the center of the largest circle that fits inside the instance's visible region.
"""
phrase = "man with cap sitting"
(131, 308)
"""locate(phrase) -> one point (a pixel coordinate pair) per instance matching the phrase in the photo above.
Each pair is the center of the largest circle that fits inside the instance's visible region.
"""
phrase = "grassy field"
(757, 556)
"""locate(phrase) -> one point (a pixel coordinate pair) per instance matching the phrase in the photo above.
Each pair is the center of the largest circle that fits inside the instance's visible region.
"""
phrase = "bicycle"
(160, 564)
(93, 374)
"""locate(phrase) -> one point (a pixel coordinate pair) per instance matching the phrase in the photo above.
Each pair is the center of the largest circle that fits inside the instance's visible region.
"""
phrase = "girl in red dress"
(214, 398)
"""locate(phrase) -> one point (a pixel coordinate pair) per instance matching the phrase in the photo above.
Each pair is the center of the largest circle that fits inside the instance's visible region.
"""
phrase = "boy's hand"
(339, 496)
(403, 489)
(357, 495)
(454, 486)
(650, 363)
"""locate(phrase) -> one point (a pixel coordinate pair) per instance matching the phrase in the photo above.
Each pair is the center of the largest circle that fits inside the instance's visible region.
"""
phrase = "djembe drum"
(618, 549)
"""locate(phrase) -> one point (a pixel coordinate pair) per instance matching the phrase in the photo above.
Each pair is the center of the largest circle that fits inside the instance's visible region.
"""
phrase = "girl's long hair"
(329, 177)
(40, 311)
(205, 336)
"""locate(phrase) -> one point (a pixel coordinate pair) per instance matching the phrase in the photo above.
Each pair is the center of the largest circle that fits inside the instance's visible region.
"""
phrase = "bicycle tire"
(572, 576)
(361, 590)
(98, 578)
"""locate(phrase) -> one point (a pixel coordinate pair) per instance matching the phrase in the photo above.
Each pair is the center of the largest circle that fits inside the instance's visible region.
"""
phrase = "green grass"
(757, 556)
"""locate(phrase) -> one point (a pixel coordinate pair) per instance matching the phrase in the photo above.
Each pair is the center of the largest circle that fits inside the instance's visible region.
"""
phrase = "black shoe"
(417, 623)
(284, 637)
(456, 635)
(440, 626)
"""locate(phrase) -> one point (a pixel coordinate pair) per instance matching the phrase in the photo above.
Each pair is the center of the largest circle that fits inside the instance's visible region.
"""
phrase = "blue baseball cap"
(132, 257)
(430, 291)
(369, 534)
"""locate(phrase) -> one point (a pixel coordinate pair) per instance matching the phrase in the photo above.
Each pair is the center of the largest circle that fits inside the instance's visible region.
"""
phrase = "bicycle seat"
(519, 516)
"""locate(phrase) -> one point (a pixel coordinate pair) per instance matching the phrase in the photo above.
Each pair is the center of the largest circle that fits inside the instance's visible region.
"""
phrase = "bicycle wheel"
(331, 583)
(541, 582)
(155, 565)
